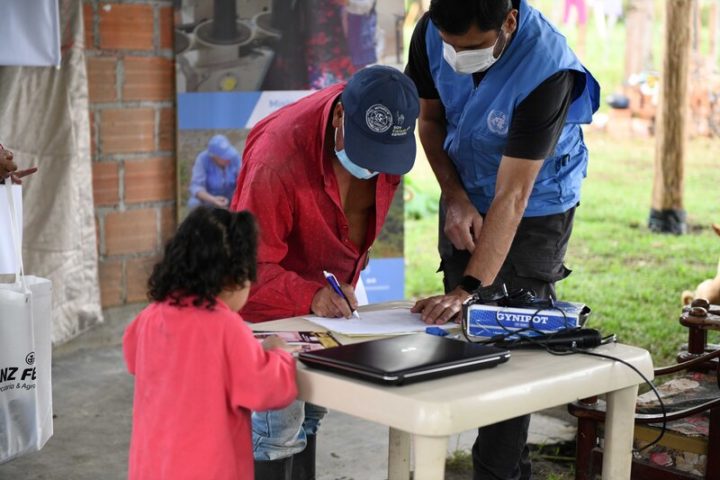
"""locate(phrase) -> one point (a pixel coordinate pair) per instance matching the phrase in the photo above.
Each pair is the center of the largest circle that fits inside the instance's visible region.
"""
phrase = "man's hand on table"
(441, 309)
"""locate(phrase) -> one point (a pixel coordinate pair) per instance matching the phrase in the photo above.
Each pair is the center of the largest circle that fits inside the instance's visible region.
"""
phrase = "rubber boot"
(303, 467)
(280, 469)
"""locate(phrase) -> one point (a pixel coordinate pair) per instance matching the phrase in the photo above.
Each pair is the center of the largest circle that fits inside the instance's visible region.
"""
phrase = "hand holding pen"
(335, 300)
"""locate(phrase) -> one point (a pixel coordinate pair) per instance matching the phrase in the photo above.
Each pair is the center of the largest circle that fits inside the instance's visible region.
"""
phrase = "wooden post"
(696, 31)
(638, 37)
(714, 21)
(667, 214)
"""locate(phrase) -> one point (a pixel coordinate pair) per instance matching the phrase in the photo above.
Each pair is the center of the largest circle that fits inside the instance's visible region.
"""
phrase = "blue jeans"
(283, 433)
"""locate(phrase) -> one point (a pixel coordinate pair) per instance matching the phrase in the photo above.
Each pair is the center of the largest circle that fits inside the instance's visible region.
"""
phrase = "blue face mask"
(355, 170)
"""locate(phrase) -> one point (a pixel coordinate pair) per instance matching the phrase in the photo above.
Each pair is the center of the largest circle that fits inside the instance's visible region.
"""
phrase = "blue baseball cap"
(220, 146)
(381, 107)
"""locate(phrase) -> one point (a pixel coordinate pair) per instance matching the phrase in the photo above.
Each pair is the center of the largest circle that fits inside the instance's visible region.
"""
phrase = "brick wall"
(131, 77)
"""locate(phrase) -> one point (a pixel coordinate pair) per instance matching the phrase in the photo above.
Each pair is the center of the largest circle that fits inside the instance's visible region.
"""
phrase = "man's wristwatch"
(470, 284)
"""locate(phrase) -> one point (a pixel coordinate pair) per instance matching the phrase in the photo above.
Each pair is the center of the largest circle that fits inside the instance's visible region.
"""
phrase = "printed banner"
(239, 60)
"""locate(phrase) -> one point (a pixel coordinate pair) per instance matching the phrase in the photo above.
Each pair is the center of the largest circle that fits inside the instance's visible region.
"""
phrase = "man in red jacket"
(320, 175)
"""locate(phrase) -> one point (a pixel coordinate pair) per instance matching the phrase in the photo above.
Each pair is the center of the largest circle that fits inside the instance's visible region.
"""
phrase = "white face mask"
(470, 61)
(355, 170)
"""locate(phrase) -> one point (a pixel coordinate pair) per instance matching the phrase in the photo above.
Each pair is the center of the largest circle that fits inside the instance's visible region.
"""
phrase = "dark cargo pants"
(535, 261)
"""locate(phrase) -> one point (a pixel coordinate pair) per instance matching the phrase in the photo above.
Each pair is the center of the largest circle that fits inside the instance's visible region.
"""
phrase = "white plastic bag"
(34, 26)
(25, 357)
(7, 248)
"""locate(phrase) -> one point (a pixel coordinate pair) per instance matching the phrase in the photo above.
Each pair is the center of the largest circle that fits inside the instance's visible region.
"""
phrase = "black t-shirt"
(537, 121)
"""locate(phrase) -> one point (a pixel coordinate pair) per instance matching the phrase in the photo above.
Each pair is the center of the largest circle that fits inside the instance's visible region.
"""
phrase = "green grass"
(548, 464)
(630, 277)
(459, 461)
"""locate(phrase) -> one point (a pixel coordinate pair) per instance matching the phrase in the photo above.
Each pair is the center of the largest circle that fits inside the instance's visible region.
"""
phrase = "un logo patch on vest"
(497, 122)
(378, 118)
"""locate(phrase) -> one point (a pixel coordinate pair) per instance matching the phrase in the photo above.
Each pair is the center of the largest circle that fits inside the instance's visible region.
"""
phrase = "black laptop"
(406, 358)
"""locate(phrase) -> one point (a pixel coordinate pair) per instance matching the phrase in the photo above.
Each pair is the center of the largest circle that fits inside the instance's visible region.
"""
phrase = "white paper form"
(392, 321)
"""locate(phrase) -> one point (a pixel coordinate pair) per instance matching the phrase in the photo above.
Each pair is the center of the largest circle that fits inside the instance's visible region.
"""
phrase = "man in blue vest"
(502, 98)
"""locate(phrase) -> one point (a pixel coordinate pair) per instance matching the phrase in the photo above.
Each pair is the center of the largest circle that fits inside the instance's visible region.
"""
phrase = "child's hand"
(276, 342)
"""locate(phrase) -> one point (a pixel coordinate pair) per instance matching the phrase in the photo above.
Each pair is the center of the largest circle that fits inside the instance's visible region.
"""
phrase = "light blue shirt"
(215, 180)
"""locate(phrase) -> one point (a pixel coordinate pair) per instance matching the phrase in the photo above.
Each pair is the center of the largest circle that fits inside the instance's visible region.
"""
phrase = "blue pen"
(336, 286)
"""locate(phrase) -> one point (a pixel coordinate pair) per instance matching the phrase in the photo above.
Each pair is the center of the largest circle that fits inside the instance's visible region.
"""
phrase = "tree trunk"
(638, 37)
(696, 32)
(714, 21)
(667, 214)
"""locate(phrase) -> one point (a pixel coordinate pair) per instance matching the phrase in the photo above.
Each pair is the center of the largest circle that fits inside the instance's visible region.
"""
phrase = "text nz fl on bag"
(25, 349)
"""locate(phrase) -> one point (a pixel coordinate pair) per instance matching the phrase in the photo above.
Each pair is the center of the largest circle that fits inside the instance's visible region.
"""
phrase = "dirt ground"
(553, 462)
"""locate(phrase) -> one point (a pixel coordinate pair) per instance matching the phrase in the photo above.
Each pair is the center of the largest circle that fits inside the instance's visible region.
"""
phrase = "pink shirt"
(198, 373)
(287, 181)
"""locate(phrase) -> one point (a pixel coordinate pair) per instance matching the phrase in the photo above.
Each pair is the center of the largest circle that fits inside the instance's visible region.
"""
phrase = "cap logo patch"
(378, 118)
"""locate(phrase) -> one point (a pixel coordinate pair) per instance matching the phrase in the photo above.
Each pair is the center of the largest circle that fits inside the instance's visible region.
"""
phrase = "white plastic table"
(428, 413)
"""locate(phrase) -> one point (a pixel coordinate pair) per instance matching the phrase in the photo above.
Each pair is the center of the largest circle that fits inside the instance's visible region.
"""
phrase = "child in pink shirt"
(198, 369)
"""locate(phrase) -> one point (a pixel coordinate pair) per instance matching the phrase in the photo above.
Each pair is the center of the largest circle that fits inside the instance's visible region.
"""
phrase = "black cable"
(573, 351)
(650, 384)
(538, 341)
(518, 332)
(540, 335)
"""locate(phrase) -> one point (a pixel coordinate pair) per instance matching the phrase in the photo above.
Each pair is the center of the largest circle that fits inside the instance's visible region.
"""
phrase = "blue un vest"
(478, 119)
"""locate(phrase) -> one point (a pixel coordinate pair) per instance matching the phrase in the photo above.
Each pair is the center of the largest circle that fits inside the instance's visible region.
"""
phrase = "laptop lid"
(405, 358)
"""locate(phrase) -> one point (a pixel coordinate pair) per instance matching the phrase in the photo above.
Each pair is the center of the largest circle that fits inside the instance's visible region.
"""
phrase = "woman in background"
(214, 174)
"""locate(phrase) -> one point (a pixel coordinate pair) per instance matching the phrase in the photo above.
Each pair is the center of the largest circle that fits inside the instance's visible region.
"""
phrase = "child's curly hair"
(213, 249)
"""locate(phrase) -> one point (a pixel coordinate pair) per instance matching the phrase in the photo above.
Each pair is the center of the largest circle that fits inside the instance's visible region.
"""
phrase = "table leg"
(430, 453)
(398, 455)
(619, 427)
